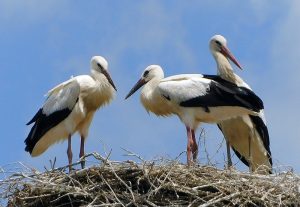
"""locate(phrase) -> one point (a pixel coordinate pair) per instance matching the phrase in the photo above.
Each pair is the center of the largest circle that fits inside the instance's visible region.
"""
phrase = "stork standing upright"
(69, 108)
(194, 99)
(247, 135)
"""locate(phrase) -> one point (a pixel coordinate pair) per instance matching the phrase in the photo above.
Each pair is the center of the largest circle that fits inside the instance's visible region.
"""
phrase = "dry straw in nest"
(147, 183)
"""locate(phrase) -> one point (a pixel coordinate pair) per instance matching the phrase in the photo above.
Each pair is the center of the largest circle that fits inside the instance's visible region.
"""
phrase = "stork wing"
(180, 88)
(263, 132)
(57, 107)
(220, 92)
(63, 98)
(57, 88)
(241, 157)
(263, 136)
(261, 128)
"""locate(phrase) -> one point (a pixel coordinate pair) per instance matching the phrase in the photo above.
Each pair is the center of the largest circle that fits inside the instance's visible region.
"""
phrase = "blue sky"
(44, 43)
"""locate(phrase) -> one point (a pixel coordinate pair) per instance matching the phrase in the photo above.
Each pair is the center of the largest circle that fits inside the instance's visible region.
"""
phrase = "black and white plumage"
(194, 98)
(70, 107)
(224, 93)
(247, 135)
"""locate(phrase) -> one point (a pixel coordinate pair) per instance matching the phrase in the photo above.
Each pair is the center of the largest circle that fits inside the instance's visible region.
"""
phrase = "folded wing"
(59, 104)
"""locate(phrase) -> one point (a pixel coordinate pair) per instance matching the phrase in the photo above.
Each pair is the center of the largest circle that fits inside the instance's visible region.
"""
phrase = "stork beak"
(109, 79)
(136, 87)
(226, 52)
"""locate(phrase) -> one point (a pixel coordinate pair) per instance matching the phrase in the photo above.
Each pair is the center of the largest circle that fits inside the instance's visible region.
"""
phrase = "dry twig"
(148, 183)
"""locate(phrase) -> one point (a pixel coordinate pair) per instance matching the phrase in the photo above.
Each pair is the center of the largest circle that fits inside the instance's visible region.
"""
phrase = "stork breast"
(93, 99)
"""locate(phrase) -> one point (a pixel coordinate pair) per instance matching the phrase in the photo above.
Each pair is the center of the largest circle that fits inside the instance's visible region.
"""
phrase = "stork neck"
(100, 78)
(150, 92)
(153, 101)
(96, 75)
(225, 70)
(151, 86)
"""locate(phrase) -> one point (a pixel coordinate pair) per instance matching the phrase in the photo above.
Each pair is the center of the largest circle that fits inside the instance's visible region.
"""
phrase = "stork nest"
(146, 183)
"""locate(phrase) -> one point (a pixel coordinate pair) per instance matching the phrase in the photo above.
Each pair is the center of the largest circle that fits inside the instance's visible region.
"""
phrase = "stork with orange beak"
(247, 135)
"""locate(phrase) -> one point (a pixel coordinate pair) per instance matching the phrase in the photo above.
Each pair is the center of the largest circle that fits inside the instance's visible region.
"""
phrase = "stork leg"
(195, 146)
(189, 145)
(250, 155)
(229, 161)
(81, 154)
(69, 152)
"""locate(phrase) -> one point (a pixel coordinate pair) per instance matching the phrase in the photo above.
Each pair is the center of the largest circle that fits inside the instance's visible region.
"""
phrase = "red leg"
(81, 154)
(194, 146)
(189, 146)
(69, 152)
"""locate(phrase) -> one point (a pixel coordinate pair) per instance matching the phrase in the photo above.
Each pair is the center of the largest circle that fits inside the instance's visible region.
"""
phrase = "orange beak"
(226, 52)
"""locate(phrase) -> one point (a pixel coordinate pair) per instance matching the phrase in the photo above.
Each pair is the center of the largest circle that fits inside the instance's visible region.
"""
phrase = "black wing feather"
(57, 107)
(225, 93)
(36, 116)
(43, 124)
(262, 129)
(241, 157)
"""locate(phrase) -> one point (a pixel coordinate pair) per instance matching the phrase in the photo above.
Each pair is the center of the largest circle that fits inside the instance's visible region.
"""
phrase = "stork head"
(218, 44)
(99, 64)
(150, 73)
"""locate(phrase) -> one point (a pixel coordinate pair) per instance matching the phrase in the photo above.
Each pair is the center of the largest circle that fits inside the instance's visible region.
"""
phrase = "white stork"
(247, 135)
(69, 108)
(194, 99)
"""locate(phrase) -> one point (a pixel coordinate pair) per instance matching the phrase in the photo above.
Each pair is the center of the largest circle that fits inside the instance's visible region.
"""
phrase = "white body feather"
(180, 88)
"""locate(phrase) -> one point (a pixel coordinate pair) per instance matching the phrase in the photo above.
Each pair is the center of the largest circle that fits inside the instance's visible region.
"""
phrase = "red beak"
(226, 52)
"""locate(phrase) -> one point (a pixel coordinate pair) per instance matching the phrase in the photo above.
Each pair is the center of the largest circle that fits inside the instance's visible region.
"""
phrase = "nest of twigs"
(168, 183)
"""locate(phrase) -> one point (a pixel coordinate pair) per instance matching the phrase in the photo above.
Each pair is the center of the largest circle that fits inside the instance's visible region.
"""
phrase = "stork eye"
(100, 66)
(218, 42)
(146, 73)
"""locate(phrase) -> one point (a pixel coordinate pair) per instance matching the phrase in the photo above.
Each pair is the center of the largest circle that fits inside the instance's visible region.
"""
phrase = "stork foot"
(229, 164)
(230, 167)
